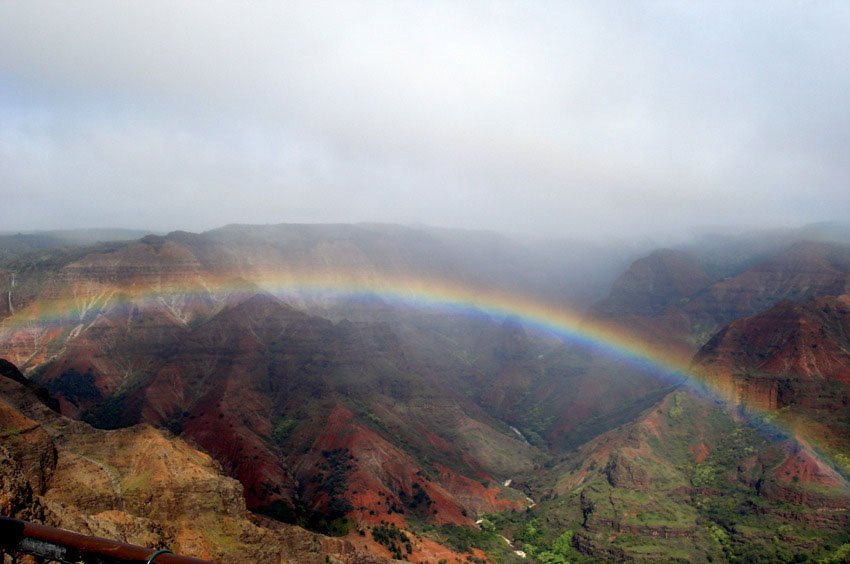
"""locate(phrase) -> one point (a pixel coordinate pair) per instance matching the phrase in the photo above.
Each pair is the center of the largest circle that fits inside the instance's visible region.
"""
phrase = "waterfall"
(12, 285)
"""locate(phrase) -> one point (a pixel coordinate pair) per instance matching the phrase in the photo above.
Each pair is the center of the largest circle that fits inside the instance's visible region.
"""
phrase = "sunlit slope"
(138, 485)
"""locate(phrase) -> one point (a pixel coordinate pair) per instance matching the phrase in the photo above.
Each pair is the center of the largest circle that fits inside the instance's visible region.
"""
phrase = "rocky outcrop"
(24, 440)
(793, 357)
(16, 497)
(9, 370)
(806, 340)
(622, 472)
(587, 544)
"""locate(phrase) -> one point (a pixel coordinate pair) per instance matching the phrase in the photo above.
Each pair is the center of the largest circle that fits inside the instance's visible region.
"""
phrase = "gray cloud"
(556, 118)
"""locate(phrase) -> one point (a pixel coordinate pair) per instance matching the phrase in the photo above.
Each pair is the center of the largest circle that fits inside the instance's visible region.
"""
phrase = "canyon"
(287, 393)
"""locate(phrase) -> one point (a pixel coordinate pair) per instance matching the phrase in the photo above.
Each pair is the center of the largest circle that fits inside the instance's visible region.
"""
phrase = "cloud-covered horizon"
(568, 119)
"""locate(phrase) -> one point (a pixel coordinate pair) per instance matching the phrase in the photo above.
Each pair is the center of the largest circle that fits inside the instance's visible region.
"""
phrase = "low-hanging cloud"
(553, 118)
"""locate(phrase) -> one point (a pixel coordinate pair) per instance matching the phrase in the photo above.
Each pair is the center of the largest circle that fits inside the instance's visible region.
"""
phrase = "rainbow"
(555, 320)
(559, 321)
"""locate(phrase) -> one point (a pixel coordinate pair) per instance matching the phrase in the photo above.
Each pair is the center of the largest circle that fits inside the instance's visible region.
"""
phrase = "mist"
(581, 119)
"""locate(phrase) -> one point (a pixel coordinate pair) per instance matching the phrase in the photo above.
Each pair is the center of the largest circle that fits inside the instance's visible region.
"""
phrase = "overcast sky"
(562, 118)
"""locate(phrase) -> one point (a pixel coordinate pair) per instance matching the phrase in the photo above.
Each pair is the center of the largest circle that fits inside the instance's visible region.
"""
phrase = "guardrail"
(22, 537)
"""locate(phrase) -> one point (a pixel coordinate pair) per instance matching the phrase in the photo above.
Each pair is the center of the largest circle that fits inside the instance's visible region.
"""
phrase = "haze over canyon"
(363, 392)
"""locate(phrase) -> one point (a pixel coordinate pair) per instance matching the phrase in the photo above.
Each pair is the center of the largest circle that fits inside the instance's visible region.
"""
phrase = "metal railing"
(21, 537)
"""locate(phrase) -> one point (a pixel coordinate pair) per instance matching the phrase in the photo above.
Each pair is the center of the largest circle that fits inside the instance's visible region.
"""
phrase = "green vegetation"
(138, 483)
(463, 539)
(282, 512)
(676, 407)
(217, 532)
(548, 540)
(9, 432)
(720, 536)
(333, 478)
(337, 464)
(282, 429)
(122, 409)
(419, 502)
(333, 526)
(653, 501)
(174, 421)
(369, 416)
(75, 387)
(494, 532)
(533, 540)
(842, 554)
(534, 425)
(110, 414)
(396, 541)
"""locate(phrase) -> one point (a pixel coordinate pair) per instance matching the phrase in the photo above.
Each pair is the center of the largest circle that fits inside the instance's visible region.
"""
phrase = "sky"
(567, 119)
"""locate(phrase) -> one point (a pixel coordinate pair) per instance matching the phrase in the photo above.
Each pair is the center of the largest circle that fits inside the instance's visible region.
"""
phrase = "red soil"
(802, 467)
(700, 452)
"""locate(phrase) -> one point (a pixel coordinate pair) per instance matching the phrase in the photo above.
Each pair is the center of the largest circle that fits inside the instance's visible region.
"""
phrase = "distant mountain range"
(369, 382)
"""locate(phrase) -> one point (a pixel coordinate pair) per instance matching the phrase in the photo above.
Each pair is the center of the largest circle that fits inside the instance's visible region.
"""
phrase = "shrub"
(75, 387)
